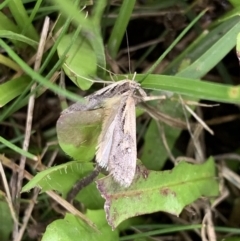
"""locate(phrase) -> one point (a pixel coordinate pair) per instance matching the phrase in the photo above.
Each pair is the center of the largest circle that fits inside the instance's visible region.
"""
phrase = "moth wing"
(105, 140)
(123, 155)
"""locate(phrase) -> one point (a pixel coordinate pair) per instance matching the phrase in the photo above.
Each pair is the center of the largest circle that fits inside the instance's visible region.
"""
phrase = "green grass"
(85, 45)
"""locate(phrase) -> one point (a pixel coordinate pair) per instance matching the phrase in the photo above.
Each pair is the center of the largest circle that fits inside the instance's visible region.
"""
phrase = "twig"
(207, 226)
(9, 199)
(18, 235)
(164, 140)
(53, 195)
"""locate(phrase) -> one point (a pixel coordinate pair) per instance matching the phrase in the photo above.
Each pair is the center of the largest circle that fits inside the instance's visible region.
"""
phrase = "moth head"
(135, 87)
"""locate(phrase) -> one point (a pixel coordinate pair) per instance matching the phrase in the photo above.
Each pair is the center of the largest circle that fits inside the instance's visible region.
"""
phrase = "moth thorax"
(133, 85)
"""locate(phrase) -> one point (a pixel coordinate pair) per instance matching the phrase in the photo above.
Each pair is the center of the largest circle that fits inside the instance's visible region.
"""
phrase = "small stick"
(17, 235)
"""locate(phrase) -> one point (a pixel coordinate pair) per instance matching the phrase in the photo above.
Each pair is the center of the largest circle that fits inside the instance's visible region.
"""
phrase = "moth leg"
(80, 184)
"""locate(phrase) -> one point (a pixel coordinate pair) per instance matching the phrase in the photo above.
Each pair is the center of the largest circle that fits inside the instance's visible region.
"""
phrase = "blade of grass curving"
(4, 4)
(7, 24)
(36, 76)
(20, 15)
(9, 63)
(172, 45)
(15, 105)
(98, 10)
(213, 55)
(192, 87)
(19, 138)
(162, 231)
(17, 149)
(12, 88)
(200, 45)
(174, 228)
(18, 37)
(23, 99)
(229, 14)
(120, 26)
(32, 16)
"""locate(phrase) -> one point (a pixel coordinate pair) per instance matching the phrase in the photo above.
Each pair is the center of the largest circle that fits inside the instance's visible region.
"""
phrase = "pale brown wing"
(123, 154)
(111, 108)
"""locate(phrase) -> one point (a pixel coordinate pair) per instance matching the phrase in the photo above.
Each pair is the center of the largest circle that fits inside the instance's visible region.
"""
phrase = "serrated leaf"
(78, 133)
(151, 191)
(62, 178)
(72, 228)
(81, 61)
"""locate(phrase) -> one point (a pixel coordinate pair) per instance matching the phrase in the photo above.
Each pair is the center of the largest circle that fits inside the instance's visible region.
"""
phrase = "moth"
(116, 148)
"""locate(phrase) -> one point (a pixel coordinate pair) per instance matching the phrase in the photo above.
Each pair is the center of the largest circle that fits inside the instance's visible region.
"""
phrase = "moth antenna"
(134, 75)
(110, 72)
(128, 52)
(88, 79)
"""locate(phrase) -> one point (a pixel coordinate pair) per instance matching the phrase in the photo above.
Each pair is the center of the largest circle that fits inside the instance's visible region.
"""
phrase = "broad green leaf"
(6, 225)
(72, 228)
(81, 61)
(63, 177)
(90, 30)
(78, 133)
(171, 122)
(151, 191)
(154, 154)
(12, 88)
